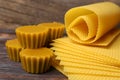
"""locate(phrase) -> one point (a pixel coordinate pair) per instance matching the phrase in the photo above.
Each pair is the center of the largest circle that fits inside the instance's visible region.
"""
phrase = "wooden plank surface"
(36, 11)
(10, 70)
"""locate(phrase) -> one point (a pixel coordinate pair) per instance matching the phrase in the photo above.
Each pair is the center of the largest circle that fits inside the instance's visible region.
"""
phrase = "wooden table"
(10, 70)
(37, 11)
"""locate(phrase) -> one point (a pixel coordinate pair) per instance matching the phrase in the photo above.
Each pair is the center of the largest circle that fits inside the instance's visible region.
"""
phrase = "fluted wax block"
(36, 60)
(13, 48)
(32, 36)
(56, 29)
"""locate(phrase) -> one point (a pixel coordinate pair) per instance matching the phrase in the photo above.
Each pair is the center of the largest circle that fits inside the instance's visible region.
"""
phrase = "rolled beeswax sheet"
(87, 24)
(110, 54)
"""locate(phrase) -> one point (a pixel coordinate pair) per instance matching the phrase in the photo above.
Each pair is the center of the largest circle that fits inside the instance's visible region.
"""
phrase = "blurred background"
(25, 12)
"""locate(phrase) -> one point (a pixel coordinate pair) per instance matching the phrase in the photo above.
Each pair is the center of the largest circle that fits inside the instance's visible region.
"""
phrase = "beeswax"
(90, 77)
(90, 23)
(91, 50)
(77, 59)
(36, 60)
(32, 36)
(109, 55)
(81, 70)
(77, 76)
(56, 29)
(90, 66)
(13, 49)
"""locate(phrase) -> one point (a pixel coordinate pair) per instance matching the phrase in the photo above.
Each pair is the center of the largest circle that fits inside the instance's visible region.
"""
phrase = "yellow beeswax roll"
(32, 36)
(36, 60)
(56, 29)
(108, 55)
(13, 48)
(90, 23)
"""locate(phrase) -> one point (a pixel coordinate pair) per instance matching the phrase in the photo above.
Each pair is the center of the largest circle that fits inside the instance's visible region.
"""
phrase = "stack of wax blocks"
(30, 46)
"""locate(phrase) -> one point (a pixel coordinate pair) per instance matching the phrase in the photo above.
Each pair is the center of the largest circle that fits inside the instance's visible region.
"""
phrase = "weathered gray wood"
(36, 11)
(8, 27)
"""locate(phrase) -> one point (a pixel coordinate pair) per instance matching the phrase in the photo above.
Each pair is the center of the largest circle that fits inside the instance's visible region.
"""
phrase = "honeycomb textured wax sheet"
(83, 76)
(76, 62)
(90, 23)
(56, 29)
(81, 66)
(78, 56)
(110, 53)
(90, 77)
(90, 71)
(86, 65)
(13, 48)
(36, 60)
(77, 59)
(32, 36)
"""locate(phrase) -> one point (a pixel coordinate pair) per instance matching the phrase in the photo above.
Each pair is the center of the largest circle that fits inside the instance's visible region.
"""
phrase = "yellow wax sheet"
(81, 56)
(83, 65)
(77, 76)
(90, 77)
(90, 71)
(88, 24)
(89, 66)
(109, 55)
(78, 63)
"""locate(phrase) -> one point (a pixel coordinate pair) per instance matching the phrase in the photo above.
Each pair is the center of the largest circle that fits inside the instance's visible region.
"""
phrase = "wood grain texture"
(8, 28)
(36, 11)
(10, 70)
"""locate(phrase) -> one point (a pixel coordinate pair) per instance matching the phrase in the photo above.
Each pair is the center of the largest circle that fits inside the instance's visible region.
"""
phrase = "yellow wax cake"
(32, 36)
(93, 24)
(56, 29)
(36, 60)
(13, 49)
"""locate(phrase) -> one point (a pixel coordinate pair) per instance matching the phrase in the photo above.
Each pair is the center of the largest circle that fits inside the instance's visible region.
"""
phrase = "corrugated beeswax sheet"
(109, 55)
